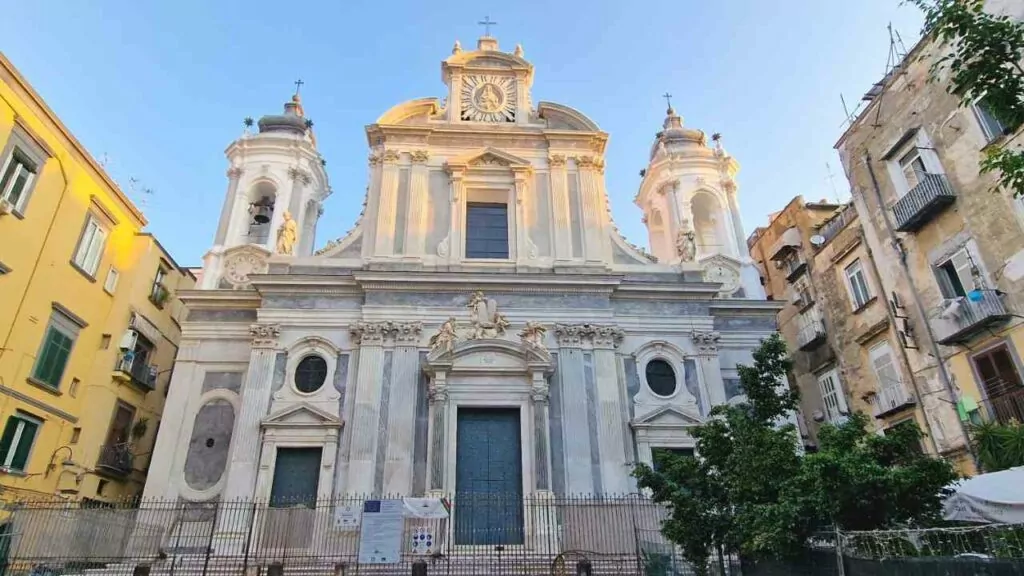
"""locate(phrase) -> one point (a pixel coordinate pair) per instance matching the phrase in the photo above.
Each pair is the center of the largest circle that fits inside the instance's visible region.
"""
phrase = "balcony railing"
(892, 399)
(931, 196)
(811, 335)
(961, 318)
(138, 371)
(1007, 406)
(116, 459)
(837, 224)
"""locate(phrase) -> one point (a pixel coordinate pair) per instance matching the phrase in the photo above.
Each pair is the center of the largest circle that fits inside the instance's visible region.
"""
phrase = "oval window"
(661, 378)
(310, 374)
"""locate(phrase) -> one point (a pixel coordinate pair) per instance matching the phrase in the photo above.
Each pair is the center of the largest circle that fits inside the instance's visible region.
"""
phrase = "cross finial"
(298, 86)
(668, 100)
(487, 23)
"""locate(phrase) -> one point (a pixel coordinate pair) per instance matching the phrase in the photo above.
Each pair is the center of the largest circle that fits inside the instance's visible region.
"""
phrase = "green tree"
(999, 446)
(984, 63)
(751, 492)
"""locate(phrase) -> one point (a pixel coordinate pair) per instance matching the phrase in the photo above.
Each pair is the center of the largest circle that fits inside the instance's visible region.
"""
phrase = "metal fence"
(484, 534)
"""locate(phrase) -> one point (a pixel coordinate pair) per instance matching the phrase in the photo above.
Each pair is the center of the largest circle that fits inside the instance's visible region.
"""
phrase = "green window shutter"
(7, 438)
(28, 436)
(53, 358)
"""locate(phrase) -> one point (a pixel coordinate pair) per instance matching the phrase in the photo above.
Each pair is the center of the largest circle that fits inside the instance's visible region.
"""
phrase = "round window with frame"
(661, 378)
(310, 374)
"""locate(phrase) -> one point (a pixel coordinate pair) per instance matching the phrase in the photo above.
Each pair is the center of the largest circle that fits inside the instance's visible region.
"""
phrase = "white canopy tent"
(995, 498)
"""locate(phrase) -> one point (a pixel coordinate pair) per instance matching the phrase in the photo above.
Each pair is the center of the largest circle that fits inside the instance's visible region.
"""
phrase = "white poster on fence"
(380, 533)
(346, 517)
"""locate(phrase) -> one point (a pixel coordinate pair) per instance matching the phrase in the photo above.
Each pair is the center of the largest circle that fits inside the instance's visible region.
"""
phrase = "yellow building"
(88, 317)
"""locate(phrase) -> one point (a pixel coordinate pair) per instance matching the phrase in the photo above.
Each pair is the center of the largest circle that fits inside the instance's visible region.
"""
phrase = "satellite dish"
(817, 240)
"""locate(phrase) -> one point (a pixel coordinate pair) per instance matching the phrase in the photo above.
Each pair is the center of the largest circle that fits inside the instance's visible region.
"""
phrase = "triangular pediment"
(488, 157)
(301, 415)
(666, 417)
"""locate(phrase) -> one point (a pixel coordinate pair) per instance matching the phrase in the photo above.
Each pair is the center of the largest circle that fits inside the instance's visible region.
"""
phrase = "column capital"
(594, 335)
(706, 342)
(264, 335)
(377, 333)
(299, 175)
(390, 157)
(373, 159)
(235, 172)
(556, 160)
(420, 156)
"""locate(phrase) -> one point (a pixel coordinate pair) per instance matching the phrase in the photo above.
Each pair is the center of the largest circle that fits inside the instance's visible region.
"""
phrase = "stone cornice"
(448, 282)
(737, 305)
(219, 298)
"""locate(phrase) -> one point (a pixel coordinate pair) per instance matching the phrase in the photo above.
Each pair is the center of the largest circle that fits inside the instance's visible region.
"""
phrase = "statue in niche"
(445, 337)
(484, 318)
(686, 242)
(533, 334)
(287, 235)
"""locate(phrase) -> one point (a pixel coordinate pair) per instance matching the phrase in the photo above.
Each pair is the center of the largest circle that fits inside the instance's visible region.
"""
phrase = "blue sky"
(159, 89)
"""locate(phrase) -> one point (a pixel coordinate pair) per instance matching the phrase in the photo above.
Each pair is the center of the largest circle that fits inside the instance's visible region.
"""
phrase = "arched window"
(310, 374)
(709, 225)
(262, 198)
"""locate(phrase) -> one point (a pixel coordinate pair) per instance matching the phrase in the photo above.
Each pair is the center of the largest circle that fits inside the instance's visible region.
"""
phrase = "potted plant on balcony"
(160, 295)
(139, 428)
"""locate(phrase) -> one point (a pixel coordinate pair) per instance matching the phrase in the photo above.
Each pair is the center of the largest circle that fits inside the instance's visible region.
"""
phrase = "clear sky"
(159, 89)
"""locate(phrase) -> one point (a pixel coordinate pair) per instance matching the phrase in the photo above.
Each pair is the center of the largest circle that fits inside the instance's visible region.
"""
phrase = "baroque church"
(483, 328)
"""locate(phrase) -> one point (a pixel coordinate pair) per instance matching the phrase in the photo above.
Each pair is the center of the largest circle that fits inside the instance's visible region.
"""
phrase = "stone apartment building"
(782, 252)
(949, 248)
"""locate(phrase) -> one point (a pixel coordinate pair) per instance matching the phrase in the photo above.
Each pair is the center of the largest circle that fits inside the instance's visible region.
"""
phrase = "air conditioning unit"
(6, 207)
(128, 341)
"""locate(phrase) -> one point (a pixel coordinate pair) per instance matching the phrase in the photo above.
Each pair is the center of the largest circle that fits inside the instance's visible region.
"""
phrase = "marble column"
(451, 248)
(437, 434)
(401, 426)
(366, 413)
(234, 174)
(706, 344)
(614, 457)
(579, 477)
(387, 206)
(417, 213)
(561, 218)
(246, 439)
(593, 209)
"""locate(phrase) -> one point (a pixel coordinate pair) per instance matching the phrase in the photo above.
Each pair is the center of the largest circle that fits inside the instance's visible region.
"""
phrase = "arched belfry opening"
(262, 198)
(709, 223)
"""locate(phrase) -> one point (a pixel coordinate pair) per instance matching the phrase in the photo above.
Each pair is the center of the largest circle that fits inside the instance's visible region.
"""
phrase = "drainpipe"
(943, 374)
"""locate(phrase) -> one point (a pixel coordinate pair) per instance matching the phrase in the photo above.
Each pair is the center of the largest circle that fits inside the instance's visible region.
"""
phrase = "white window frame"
(110, 285)
(32, 158)
(89, 251)
(884, 348)
(920, 145)
(23, 419)
(831, 389)
(962, 270)
(985, 120)
(5, 194)
(855, 301)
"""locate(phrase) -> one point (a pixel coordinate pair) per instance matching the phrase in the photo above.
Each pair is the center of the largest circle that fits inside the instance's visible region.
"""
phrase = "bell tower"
(276, 178)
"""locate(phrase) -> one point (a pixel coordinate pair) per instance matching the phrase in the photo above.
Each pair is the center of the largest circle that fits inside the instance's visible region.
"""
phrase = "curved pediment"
(410, 112)
(561, 117)
(490, 355)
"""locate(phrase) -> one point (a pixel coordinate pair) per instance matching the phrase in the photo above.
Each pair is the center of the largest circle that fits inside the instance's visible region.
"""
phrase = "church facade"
(483, 328)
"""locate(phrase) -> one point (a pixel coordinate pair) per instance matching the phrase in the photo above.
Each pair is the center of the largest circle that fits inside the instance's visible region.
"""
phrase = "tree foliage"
(999, 446)
(750, 490)
(984, 63)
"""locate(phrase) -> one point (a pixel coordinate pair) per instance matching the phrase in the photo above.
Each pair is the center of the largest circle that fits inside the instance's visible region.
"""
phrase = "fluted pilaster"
(234, 175)
(387, 204)
(593, 209)
(416, 229)
(560, 207)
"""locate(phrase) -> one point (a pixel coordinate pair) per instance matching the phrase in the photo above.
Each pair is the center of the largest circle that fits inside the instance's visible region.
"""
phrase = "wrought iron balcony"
(811, 335)
(891, 399)
(130, 367)
(116, 459)
(931, 196)
(960, 319)
(1007, 406)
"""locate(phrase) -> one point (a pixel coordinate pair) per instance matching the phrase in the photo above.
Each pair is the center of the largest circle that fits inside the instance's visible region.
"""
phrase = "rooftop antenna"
(893, 65)
(832, 181)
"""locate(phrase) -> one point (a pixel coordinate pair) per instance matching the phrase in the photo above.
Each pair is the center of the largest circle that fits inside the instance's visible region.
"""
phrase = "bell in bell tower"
(276, 179)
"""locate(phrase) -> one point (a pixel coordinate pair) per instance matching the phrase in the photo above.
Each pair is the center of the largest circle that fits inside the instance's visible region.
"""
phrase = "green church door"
(488, 477)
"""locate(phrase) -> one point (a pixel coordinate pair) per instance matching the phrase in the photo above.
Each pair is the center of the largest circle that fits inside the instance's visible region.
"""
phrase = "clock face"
(488, 99)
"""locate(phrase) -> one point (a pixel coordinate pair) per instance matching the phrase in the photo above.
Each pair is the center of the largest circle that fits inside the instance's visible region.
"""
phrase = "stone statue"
(484, 318)
(686, 245)
(445, 337)
(287, 235)
(533, 334)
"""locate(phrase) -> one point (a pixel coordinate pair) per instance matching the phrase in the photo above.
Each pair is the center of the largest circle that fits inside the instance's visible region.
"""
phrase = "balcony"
(116, 459)
(892, 399)
(795, 266)
(962, 318)
(811, 336)
(1008, 406)
(924, 201)
(788, 242)
(131, 368)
